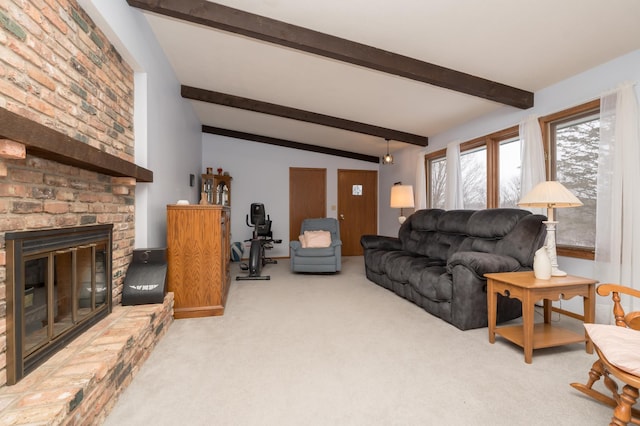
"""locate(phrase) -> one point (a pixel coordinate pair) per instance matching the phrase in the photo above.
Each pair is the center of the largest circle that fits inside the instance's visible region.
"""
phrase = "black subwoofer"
(146, 279)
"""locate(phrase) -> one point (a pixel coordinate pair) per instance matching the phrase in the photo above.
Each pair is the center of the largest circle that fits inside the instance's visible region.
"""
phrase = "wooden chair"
(616, 349)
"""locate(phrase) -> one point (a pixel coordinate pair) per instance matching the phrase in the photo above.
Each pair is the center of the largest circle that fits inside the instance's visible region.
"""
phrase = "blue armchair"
(318, 259)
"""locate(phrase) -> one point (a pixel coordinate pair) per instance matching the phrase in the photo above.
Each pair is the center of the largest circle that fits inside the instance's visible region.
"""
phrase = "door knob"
(341, 216)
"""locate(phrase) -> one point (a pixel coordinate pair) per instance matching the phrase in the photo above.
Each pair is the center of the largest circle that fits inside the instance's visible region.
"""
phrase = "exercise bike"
(261, 240)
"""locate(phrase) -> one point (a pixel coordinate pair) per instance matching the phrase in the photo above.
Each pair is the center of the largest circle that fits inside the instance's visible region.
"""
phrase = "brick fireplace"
(67, 162)
(66, 134)
(57, 288)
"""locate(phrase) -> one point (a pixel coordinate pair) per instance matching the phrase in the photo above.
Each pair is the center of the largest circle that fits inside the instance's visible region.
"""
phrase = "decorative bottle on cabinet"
(198, 259)
(217, 189)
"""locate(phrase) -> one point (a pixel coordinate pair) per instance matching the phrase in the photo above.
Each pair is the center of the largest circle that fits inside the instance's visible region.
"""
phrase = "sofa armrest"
(483, 263)
(380, 242)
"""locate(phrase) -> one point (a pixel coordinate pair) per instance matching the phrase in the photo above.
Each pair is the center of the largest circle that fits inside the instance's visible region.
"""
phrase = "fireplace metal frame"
(23, 244)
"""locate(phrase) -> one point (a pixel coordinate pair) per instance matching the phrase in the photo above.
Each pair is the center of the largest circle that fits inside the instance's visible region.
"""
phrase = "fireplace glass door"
(61, 289)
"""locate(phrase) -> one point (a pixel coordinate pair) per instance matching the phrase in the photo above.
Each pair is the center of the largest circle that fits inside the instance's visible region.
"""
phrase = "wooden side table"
(526, 288)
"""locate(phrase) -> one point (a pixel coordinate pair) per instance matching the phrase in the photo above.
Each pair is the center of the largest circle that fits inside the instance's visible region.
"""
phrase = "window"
(572, 139)
(491, 172)
(484, 186)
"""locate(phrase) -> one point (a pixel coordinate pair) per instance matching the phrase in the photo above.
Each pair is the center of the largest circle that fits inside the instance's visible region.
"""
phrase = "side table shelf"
(544, 335)
(528, 289)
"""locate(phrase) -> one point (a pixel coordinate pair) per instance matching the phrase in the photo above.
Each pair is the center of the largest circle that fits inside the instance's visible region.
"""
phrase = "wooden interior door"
(357, 208)
(307, 197)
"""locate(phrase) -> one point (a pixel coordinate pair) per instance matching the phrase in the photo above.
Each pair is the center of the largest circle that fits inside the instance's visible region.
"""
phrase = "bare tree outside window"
(576, 167)
(473, 164)
(437, 182)
(510, 165)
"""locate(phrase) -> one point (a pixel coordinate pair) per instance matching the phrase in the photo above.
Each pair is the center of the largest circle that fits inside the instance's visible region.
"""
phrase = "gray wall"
(260, 174)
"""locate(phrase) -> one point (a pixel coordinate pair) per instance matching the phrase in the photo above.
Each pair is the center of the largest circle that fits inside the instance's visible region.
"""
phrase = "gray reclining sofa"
(439, 258)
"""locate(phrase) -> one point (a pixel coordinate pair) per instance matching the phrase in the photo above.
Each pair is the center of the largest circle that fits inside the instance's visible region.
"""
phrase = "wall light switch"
(192, 179)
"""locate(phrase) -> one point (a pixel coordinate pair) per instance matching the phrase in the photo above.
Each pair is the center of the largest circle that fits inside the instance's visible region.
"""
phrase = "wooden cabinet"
(198, 259)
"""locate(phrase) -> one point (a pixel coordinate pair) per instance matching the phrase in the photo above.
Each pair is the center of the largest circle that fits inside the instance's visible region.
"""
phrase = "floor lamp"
(402, 198)
(550, 194)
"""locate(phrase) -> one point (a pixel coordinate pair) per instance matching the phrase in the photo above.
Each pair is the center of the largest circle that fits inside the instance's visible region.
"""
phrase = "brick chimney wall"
(58, 69)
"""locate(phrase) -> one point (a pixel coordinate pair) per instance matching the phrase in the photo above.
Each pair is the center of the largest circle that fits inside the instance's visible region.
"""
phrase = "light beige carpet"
(340, 350)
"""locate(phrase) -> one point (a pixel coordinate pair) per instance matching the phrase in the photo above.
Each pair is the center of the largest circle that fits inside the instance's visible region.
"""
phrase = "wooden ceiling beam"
(288, 144)
(233, 101)
(270, 30)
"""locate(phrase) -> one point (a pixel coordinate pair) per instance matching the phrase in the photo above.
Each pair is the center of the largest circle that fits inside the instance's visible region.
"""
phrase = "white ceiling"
(526, 44)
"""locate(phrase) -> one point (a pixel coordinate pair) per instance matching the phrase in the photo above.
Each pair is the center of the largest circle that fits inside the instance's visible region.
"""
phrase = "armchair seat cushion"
(620, 345)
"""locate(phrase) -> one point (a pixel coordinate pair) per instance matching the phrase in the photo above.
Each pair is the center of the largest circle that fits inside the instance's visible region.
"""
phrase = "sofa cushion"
(425, 280)
(373, 259)
(399, 265)
(422, 220)
(523, 241)
(494, 223)
(418, 232)
(434, 233)
(455, 221)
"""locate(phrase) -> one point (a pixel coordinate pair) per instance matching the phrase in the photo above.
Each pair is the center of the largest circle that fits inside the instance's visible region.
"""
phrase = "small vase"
(542, 264)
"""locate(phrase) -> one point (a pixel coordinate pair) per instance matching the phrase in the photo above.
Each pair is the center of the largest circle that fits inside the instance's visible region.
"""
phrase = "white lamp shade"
(402, 196)
(550, 194)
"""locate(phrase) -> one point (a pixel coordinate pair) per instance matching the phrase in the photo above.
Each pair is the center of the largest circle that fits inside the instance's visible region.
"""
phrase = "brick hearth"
(80, 384)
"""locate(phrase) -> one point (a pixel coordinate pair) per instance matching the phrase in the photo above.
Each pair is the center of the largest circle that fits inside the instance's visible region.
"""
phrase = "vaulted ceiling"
(342, 76)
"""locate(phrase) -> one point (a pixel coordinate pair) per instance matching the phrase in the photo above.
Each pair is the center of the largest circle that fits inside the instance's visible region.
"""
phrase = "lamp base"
(551, 248)
(401, 219)
(555, 272)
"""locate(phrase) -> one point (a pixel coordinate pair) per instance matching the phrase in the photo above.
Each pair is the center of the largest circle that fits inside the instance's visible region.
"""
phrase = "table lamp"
(401, 198)
(550, 194)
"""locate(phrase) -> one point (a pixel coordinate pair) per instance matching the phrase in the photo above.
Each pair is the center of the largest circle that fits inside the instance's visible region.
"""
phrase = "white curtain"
(421, 182)
(532, 170)
(618, 211)
(453, 197)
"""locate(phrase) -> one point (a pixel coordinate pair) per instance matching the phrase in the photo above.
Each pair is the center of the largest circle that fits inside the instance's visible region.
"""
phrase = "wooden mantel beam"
(48, 143)
(270, 30)
(233, 101)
